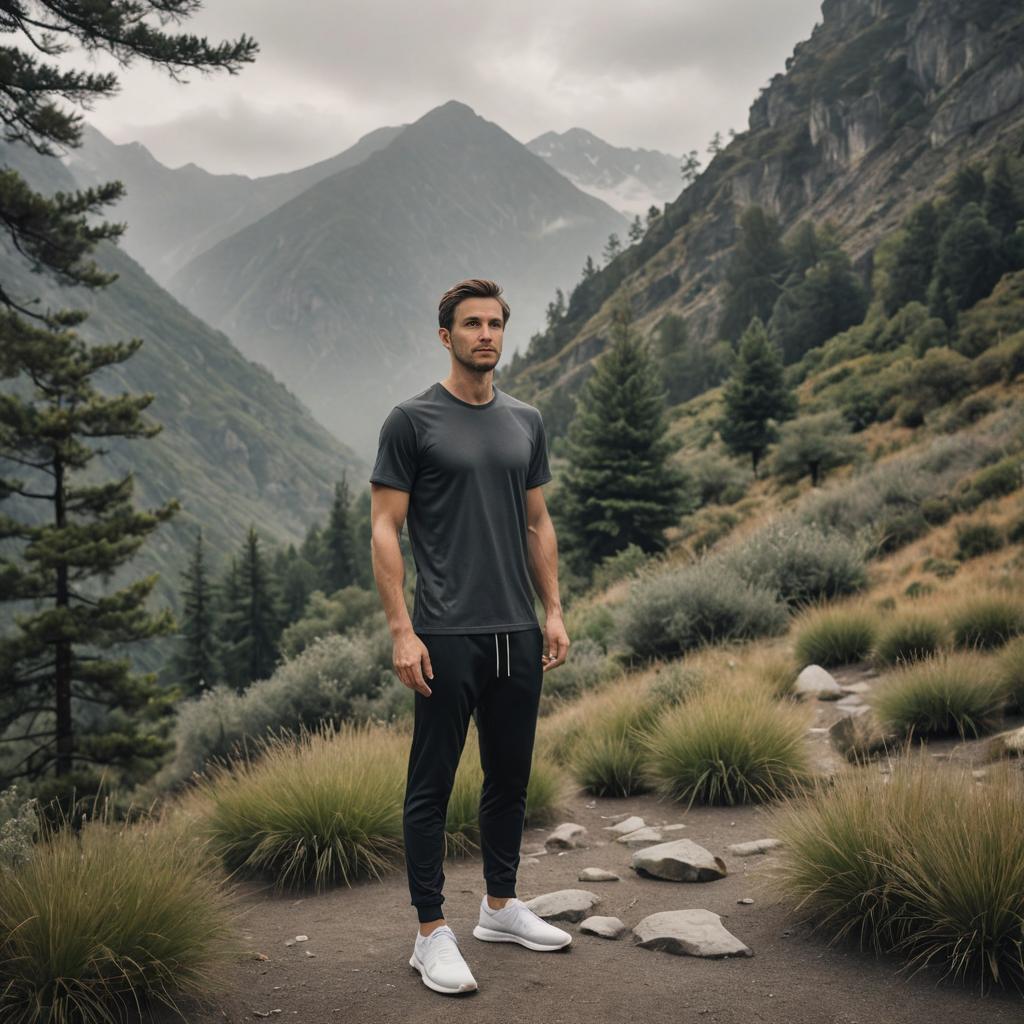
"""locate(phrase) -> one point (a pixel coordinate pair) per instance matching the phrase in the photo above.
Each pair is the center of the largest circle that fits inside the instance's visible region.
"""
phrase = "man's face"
(476, 334)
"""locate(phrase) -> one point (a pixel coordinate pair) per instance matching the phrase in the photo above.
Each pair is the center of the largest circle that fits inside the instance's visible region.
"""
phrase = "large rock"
(814, 681)
(680, 860)
(567, 836)
(1007, 744)
(860, 734)
(563, 904)
(606, 927)
(688, 933)
(630, 824)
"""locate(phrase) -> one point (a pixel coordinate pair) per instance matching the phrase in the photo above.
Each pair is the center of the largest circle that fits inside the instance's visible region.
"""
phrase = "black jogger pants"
(496, 678)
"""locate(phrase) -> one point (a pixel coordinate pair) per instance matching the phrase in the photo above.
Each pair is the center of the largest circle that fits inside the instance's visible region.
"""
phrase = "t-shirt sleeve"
(539, 472)
(396, 452)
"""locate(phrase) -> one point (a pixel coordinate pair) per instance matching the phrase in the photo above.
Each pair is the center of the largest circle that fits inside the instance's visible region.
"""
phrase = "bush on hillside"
(728, 746)
(587, 666)
(947, 695)
(995, 481)
(1010, 669)
(706, 602)
(800, 562)
(337, 678)
(908, 636)
(976, 539)
(924, 864)
(835, 635)
(986, 621)
(620, 566)
(718, 478)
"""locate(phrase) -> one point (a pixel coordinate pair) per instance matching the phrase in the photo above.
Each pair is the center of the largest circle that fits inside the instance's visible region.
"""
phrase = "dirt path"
(362, 938)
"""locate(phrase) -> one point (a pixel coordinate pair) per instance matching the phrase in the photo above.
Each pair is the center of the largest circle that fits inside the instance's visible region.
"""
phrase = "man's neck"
(476, 388)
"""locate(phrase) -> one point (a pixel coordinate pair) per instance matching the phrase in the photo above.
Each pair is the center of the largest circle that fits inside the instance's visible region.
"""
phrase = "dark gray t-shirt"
(467, 468)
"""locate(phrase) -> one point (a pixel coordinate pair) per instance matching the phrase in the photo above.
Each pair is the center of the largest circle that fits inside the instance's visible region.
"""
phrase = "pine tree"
(251, 620)
(612, 247)
(620, 487)
(690, 168)
(636, 230)
(52, 674)
(910, 267)
(196, 662)
(340, 567)
(755, 275)
(755, 397)
(46, 674)
(967, 266)
(589, 268)
(653, 213)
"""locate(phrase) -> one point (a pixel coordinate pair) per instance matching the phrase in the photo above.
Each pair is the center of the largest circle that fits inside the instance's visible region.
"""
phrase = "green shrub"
(776, 672)
(976, 539)
(969, 410)
(937, 510)
(678, 610)
(1010, 667)
(986, 621)
(586, 666)
(96, 923)
(908, 636)
(675, 683)
(719, 479)
(799, 562)
(1015, 533)
(335, 679)
(944, 568)
(620, 566)
(995, 481)
(924, 864)
(589, 621)
(346, 610)
(949, 694)
(830, 636)
(919, 588)
(728, 746)
(19, 826)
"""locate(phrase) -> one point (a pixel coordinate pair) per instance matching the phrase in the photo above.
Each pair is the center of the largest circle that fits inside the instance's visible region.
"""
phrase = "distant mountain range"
(173, 214)
(236, 446)
(630, 180)
(336, 290)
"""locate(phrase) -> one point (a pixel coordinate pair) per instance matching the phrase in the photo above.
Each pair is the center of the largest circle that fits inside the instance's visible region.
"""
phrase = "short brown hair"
(473, 288)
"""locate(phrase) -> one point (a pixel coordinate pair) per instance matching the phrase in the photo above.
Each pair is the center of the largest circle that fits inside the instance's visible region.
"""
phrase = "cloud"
(662, 74)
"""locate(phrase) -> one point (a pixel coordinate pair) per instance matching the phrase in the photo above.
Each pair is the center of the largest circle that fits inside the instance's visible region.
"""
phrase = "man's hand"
(556, 642)
(412, 662)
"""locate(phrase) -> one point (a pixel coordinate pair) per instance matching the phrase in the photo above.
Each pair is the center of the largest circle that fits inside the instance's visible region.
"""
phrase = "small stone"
(630, 824)
(688, 933)
(672, 828)
(641, 836)
(746, 901)
(754, 846)
(567, 836)
(289, 942)
(597, 875)
(528, 862)
(302, 938)
(814, 681)
(853, 701)
(310, 954)
(606, 927)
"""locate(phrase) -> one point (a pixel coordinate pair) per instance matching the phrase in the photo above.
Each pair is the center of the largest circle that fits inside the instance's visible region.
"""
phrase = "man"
(465, 461)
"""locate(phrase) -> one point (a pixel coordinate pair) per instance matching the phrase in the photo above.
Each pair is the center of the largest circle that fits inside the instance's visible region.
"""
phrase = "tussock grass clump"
(950, 694)
(830, 635)
(908, 636)
(732, 745)
(1010, 669)
(776, 671)
(928, 866)
(607, 757)
(96, 924)
(987, 620)
(675, 611)
(321, 809)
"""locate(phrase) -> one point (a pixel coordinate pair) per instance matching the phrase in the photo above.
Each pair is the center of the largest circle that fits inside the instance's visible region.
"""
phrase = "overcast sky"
(660, 74)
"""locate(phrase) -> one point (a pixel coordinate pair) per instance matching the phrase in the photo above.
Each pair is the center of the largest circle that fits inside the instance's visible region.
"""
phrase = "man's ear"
(442, 333)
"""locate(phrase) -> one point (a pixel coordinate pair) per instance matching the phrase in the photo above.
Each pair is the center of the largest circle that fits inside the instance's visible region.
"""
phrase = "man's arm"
(388, 509)
(543, 565)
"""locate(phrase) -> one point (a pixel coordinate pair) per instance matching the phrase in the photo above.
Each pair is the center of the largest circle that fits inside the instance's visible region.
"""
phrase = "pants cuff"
(429, 913)
(501, 890)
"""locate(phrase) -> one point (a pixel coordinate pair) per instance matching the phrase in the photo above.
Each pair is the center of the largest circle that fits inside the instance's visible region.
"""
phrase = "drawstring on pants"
(497, 657)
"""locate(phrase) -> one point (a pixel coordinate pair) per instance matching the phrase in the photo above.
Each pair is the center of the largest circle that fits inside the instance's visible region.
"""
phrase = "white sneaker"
(436, 956)
(516, 922)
